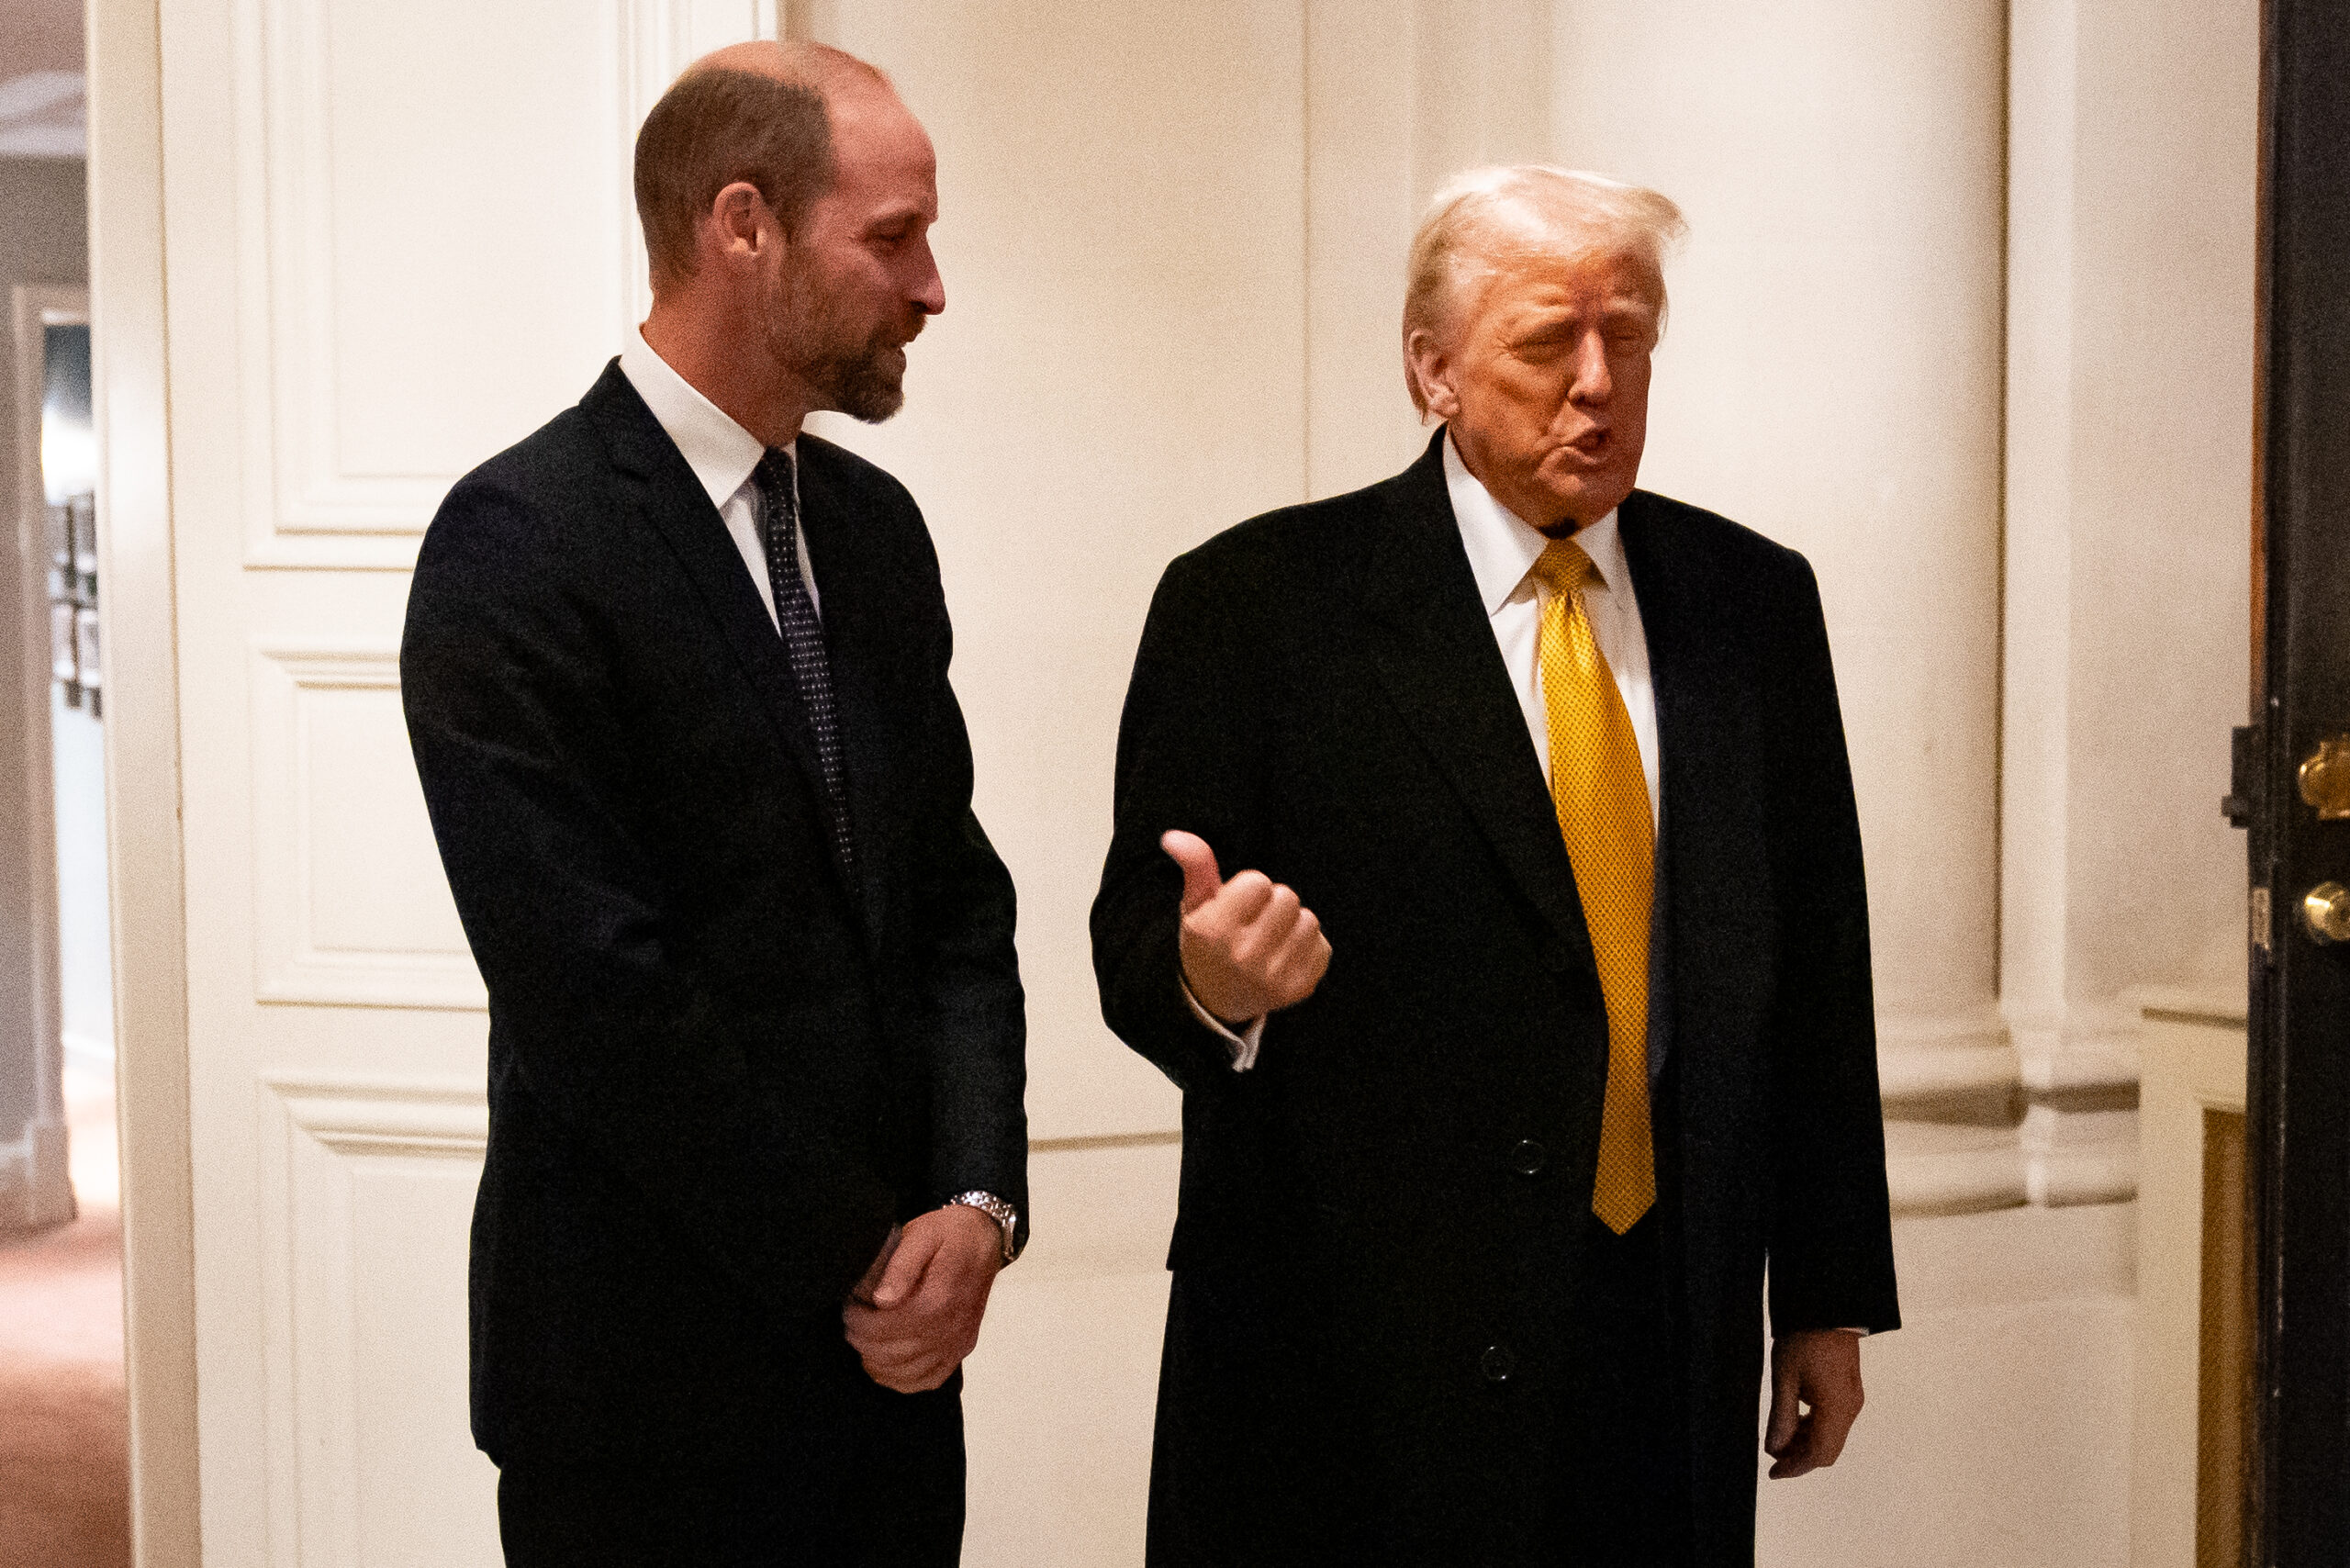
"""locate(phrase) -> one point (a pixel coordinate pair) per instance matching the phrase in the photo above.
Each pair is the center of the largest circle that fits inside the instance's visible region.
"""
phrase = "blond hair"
(1482, 219)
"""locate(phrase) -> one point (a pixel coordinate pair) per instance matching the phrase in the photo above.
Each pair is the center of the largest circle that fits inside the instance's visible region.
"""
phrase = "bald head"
(828, 70)
(759, 113)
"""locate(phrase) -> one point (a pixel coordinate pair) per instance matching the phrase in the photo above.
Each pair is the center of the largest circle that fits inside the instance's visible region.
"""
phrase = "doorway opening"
(63, 1420)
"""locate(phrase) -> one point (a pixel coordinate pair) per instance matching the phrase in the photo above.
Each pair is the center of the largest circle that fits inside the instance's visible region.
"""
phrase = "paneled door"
(398, 238)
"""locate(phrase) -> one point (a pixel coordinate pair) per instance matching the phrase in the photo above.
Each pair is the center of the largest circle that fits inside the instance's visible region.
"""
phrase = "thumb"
(907, 1266)
(1202, 881)
(1786, 1400)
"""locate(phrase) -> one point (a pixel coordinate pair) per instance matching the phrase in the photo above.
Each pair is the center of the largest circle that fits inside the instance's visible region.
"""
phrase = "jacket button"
(1497, 1363)
(1528, 1157)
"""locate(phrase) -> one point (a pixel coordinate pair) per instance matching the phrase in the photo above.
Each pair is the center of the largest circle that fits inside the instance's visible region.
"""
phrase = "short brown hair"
(717, 126)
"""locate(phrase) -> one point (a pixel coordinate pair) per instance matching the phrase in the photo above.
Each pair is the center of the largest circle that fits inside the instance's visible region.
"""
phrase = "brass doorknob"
(2325, 778)
(2325, 913)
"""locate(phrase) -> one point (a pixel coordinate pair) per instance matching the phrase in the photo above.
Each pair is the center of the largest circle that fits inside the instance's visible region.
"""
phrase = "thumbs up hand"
(1249, 947)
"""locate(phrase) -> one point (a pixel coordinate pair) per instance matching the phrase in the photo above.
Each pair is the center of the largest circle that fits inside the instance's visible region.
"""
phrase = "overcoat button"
(1497, 1363)
(1528, 1157)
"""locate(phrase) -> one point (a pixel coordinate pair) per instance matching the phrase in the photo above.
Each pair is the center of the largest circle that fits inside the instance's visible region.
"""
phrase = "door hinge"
(2263, 921)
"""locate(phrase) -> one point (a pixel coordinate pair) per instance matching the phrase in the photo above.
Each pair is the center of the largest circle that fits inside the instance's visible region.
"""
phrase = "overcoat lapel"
(1433, 647)
(839, 536)
(651, 475)
(1709, 834)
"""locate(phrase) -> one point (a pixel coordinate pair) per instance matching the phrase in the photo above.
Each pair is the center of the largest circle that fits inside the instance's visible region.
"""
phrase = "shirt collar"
(1502, 546)
(720, 453)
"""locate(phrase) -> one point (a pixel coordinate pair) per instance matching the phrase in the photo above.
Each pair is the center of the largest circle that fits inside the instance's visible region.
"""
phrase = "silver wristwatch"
(1006, 1217)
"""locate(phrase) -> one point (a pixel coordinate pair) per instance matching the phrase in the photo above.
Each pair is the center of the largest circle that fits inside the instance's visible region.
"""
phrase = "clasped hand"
(1248, 947)
(916, 1314)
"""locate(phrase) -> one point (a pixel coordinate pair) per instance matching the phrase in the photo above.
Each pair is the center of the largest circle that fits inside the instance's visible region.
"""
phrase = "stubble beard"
(865, 380)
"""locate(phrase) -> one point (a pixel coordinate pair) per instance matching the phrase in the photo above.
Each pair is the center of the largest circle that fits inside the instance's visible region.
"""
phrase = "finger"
(1257, 945)
(1202, 881)
(1319, 964)
(1302, 945)
(910, 1370)
(864, 1288)
(1786, 1412)
(919, 1379)
(907, 1266)
(1797, 1460)
(1832, 1415)
(877, 1334)
(857, 1325)
(1227, 916)
(1297, 968)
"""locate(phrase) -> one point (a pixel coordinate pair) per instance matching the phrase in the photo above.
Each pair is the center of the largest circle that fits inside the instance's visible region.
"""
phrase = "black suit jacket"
(719, 1068)
(1318, 694)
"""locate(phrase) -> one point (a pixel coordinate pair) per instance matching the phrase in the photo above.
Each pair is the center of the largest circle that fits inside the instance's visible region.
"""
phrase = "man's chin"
(869, 393)
(1585, 499)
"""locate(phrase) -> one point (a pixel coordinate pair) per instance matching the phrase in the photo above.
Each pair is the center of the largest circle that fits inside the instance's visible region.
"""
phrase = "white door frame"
(48, 1193)
(130, 347)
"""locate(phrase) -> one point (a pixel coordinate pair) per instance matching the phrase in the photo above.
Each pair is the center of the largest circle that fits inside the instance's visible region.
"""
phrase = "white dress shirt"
(721, 453)
(1502, 548)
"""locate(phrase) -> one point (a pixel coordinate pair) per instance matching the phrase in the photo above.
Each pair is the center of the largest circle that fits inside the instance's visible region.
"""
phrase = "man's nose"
(930, 289)
(1592, 384)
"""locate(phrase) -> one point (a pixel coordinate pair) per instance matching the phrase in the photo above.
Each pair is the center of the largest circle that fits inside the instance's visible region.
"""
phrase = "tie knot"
(1562, 566)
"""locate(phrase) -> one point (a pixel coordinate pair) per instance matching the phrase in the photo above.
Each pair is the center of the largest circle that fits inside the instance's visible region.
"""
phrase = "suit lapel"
(839, 535)
(652, 476)
(1433, 647)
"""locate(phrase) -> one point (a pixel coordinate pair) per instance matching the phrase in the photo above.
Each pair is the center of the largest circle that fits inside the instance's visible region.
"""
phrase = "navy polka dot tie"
(803, 636)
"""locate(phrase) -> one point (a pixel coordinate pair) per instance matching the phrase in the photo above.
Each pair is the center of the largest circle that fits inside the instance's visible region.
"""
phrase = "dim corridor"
(64, 1466)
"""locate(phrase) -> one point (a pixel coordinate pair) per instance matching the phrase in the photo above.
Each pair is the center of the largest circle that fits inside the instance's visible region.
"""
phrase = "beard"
(861, 376)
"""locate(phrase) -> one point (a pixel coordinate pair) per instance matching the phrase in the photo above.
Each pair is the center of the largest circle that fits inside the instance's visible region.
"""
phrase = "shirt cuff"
(1243, 1044)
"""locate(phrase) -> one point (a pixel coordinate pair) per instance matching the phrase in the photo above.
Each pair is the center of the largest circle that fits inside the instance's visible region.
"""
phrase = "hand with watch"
(916, 1314)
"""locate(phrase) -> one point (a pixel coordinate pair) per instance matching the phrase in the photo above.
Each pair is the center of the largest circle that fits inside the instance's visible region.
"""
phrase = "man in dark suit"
(676, 676)
(1540, 1021)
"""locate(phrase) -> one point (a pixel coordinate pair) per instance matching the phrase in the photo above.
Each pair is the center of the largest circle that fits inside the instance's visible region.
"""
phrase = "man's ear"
(1431, 370)
(739, 223)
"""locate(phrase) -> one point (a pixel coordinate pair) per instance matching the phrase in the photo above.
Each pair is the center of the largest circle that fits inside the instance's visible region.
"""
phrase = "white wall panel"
(350, 904)
(369, 1188)
(436, 183)
(424, 203)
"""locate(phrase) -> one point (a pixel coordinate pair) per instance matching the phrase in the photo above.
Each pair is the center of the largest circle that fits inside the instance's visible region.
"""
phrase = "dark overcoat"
(1397, 1190)
(720, 1065)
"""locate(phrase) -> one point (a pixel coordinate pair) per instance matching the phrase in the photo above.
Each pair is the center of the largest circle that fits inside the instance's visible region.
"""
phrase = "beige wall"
(2130, 389)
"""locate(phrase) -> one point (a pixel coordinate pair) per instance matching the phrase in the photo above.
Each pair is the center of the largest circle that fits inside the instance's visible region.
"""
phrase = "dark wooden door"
(2299, 1483)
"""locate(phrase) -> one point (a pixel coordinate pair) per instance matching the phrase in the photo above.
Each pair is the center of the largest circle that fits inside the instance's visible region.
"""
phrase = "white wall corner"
(35, 1191)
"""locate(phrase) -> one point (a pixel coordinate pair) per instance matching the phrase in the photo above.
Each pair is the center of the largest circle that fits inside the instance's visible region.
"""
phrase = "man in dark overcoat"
(1532, 1034)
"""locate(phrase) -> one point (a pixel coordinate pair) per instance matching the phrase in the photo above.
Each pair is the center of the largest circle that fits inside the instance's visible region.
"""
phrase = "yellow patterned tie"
(1602, 798)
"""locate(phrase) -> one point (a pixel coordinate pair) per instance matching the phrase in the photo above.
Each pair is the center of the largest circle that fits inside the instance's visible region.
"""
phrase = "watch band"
(1006, 1217)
